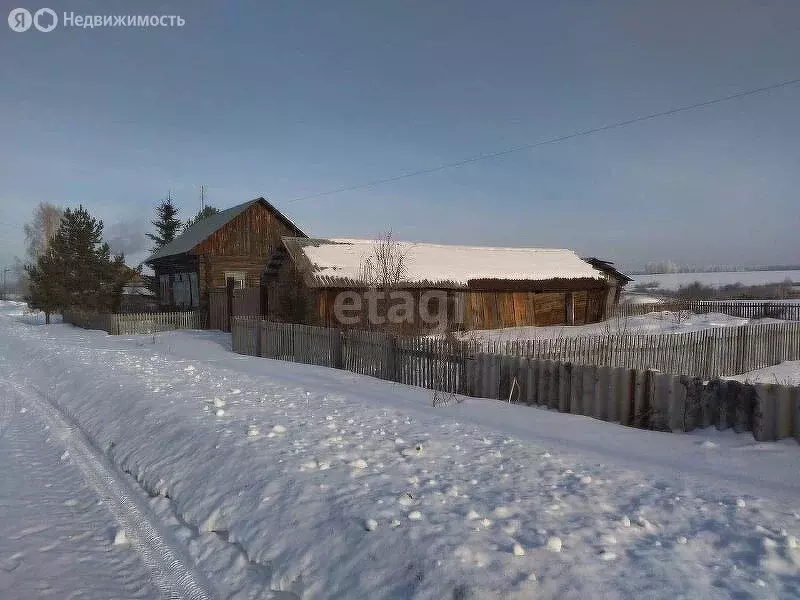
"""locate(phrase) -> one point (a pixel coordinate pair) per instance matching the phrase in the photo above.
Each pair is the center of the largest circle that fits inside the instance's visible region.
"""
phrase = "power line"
(554, 140)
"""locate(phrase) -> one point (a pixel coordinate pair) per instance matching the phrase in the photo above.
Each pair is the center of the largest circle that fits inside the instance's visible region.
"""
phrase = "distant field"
(672, 281)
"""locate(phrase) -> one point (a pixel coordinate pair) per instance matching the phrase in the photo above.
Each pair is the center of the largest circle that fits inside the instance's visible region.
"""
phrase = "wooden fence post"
(337, 349)
(390, 358)
(468, 385)
(493, 381)
(745, 408)
(728, 390)
(229, 287)
(263, 299)
(676, 418)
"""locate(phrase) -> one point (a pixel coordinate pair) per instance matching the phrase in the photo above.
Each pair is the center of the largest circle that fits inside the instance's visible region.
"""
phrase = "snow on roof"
(338, 262)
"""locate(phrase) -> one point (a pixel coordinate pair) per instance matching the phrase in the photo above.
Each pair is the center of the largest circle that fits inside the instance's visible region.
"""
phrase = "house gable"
(214, 232)
(255, 232)
(234, 243)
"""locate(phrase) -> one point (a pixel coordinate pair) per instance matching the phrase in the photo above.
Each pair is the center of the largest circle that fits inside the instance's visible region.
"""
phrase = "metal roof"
(204, 228)
(606, 266)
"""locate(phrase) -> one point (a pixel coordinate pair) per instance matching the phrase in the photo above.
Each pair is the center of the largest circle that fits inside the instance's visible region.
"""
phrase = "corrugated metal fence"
(641, 398)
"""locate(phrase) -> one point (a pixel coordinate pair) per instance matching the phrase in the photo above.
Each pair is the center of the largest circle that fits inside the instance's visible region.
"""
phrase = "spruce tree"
(167, 224)
(44, 291)
(203, 213)
(78, 269)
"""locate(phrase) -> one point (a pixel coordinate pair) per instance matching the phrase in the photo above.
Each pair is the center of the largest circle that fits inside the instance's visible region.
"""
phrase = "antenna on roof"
(202, 196)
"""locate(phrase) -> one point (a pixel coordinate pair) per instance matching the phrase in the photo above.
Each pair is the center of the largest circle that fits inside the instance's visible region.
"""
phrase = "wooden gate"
(243, 302)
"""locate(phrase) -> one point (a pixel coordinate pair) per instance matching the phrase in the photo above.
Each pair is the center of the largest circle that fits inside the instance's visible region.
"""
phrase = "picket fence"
(135, 323)
(640, 398)
(748, 309)
(708, 353)
(427, 362)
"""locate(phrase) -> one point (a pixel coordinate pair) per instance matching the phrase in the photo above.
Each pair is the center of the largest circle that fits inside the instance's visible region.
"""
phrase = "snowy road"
(325, 484)
(57, 541)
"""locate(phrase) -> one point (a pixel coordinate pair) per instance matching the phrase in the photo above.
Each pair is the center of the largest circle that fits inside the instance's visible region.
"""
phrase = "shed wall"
(465, 309)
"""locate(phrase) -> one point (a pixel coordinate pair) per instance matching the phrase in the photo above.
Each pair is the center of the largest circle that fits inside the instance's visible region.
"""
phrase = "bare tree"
(41, 230)
(38, 235)
(381, 272)
(385, 266)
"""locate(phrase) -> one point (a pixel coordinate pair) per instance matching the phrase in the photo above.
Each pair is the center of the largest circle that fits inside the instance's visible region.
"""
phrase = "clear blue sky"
(285, 99)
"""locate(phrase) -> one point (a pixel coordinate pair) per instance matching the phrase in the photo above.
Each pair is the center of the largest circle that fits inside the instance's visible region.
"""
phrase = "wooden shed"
(483, 287)
(616, 280)
(235, 243)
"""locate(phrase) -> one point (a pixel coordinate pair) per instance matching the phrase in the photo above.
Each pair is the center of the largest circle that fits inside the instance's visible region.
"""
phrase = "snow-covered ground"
(673, 281)
(56, 538)
(654, 322)
(639, 298)
(333, 485)
(785, 373)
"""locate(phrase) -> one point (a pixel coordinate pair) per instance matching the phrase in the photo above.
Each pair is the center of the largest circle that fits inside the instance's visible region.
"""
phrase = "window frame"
(239, 278)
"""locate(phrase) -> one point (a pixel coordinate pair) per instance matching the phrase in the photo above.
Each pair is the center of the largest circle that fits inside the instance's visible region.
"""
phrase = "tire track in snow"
(53, 525)
(171, 567)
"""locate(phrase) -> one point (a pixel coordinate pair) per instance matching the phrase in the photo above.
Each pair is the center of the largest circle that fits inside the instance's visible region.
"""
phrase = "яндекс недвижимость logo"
(46, 19)
(21, 19)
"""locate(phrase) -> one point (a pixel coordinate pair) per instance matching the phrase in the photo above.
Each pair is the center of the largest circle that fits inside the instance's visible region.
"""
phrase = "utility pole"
(202, 196)
(5, 270)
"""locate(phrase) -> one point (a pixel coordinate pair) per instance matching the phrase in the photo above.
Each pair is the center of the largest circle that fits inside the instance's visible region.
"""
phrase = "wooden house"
(483, 287)
(233, 244)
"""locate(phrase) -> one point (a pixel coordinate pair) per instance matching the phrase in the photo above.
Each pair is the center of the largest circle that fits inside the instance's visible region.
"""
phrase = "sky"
(286, 99)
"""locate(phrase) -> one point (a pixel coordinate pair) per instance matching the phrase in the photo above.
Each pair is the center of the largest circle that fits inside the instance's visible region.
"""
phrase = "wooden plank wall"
(640, 398)
(217, 266)
(325, 302)
(243, 244)
(218, 309)
(253, 233)
(246, 303)
(486, 309)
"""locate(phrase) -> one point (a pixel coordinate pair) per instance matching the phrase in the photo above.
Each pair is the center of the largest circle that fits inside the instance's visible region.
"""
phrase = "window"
(180, 289)
(239, 278)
